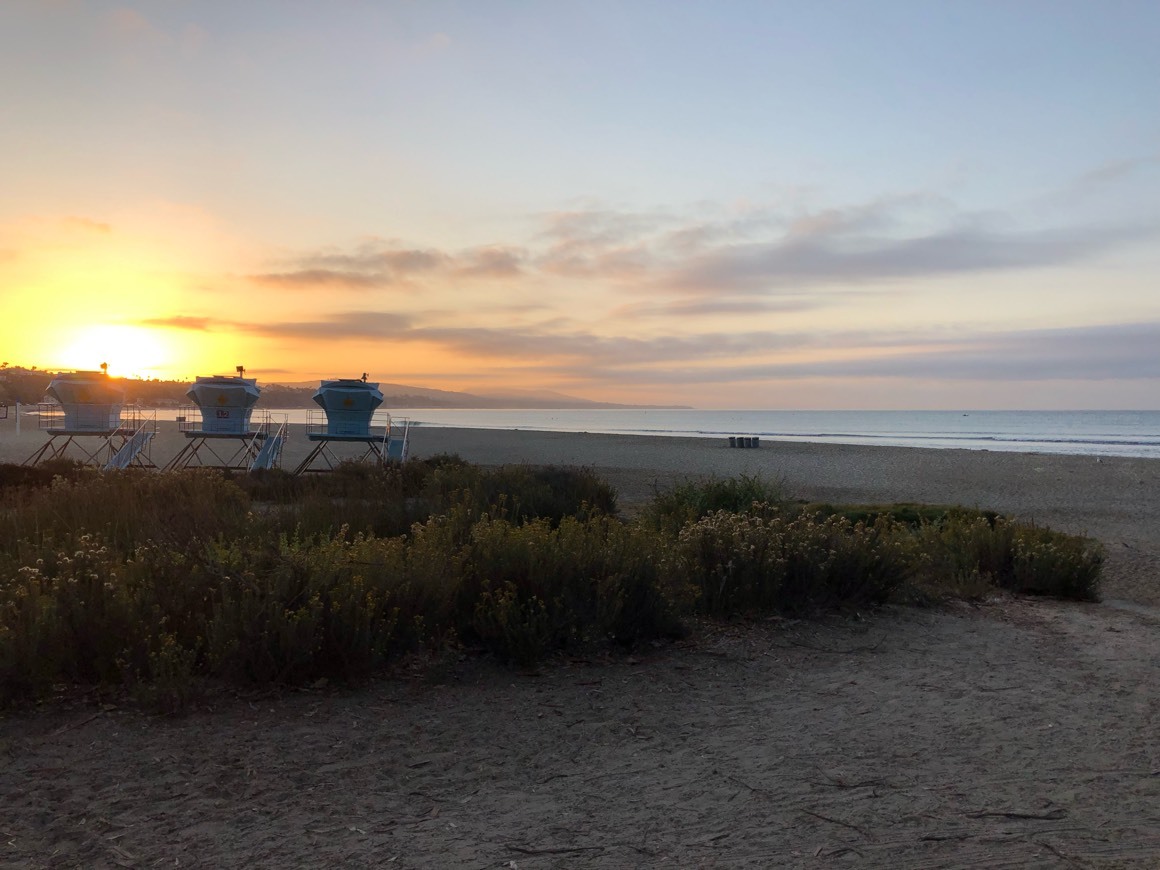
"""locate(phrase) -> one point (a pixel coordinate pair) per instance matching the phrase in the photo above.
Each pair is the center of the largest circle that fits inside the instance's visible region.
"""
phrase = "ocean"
(1095, 433)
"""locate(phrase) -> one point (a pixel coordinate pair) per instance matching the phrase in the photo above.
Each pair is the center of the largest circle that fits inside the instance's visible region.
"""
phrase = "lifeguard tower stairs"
(221, 430)
(351, 428)
(89, 423)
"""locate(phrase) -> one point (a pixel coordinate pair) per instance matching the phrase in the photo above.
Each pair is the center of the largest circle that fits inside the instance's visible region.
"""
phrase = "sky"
(822, 204)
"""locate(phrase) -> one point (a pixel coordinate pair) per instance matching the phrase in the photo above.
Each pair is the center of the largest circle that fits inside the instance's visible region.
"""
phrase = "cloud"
(85, 224)
(1108, 352)
(824, 256)
(380, 264)
(1123, 351)
(709, 260)
(311, 278)
(709, 306)
(1116, 170)
(350, 325)
(182, 321)
(490, 262)
(598, 244)
(131, 28)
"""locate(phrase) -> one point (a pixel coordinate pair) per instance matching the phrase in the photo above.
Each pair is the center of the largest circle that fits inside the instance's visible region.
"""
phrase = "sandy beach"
(1018, 733)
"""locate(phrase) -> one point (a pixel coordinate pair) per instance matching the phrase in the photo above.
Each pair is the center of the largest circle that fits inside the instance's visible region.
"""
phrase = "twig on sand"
(839, 782)
(77, 724)
(837, 853)
(1049, 815)
(1056, 852)
(708, 841)
(552, 850)
(834, 821)
(851, 651)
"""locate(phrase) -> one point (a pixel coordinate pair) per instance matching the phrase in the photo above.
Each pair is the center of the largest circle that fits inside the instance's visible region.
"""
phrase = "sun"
(130, 351)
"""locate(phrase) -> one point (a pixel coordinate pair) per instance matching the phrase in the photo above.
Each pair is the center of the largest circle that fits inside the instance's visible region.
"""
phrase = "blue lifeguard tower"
(88, 421)
(220, 428)
(350, 416)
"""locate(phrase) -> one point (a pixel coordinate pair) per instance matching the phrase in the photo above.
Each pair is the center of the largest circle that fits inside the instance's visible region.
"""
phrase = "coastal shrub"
(534, 588)
(1050, 563)
(12, 476)
(338, 608)
(671, 509)
(388, 499)
(967, 556)
(746, 563)
(524, 492)
(76, 615)
(125, 509)
(155, 582)
(906, 513)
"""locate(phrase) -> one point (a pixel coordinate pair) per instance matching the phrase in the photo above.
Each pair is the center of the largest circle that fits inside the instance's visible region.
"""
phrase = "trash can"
(732, 440)
(756, 441)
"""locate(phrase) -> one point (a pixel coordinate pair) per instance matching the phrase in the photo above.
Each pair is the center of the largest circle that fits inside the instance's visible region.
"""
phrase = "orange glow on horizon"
(130, 351)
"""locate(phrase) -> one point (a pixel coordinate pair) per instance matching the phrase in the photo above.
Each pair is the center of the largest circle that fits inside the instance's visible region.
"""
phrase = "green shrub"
(310, 608)
(670, 510)
(906, 513)
(965, 555)
(524, 492)
(742, 563)
(1050, 563)
(125, 509)
(13, 476)
(533, 588)
(158, 581)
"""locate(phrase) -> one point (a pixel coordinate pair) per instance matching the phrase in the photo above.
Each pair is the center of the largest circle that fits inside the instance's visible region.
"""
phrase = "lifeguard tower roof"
(349, 404)
(226, 402)
(91, 401)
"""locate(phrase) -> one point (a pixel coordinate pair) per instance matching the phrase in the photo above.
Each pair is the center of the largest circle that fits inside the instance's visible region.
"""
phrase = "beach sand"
(1019, 733)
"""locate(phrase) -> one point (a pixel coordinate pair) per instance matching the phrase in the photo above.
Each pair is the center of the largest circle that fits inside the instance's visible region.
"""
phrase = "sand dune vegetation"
(157, 582)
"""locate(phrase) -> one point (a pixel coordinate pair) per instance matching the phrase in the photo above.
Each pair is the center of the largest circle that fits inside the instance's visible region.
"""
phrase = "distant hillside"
(28, 385)
(407, 396)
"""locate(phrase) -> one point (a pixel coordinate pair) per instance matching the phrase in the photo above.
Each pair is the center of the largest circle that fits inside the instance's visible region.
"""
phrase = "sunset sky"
(723, 204)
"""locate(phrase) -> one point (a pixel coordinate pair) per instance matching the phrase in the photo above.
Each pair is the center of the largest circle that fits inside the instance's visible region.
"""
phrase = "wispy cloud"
(380, 264)
(182, 321)
(828, 257)
(348, 324)
(1110, 352)
(312, 278)
(85, 224)
(701, 307)
(1117, 170)
(1115, 351)
(716, 263)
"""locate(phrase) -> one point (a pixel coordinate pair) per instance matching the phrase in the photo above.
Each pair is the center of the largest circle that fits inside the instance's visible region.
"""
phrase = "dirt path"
(1019, 734)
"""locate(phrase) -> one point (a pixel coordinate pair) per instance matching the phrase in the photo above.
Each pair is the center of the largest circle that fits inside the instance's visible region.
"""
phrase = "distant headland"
(27, 386)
